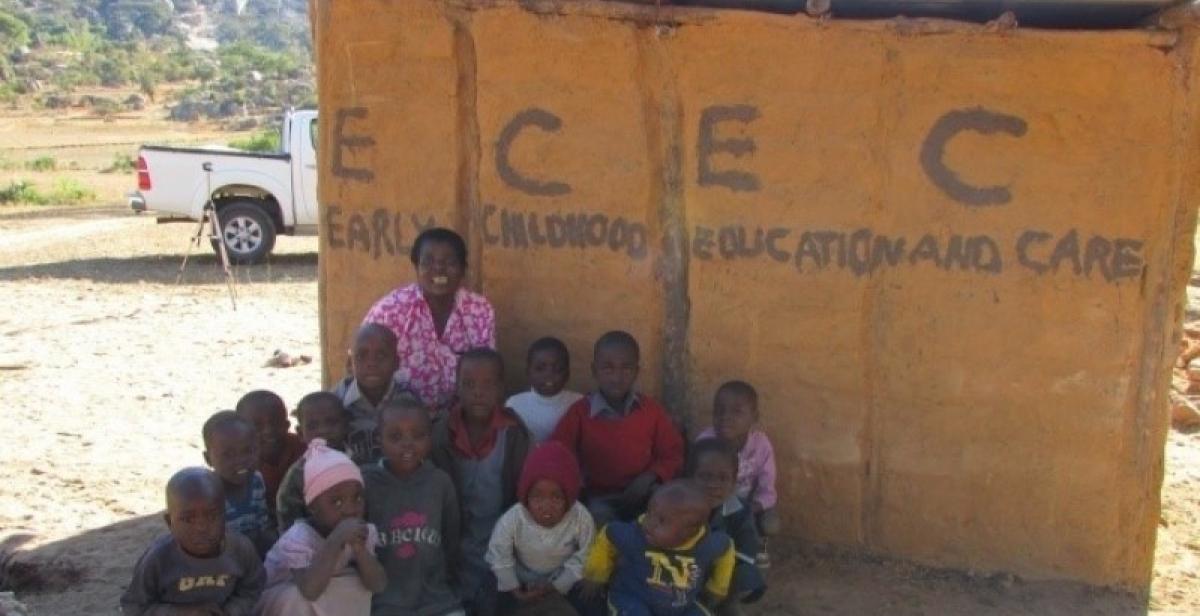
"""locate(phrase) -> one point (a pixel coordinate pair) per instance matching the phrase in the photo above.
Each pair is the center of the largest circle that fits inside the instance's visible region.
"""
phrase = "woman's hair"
(440, 235)
(549, 343)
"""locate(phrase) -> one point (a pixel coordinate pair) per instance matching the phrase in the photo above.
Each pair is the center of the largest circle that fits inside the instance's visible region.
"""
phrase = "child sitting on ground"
(373, 383)
(624, 440)
(200, 567)
(714, 464)
(416, 510)
(482, 446)
(319, 415)
(539, 545)
(278, 448)
(667, 562)
(326, 564)
(547, 367)
(735, 415)
(231, 449)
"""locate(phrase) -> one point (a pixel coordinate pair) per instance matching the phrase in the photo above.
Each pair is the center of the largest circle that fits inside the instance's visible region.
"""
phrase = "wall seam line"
(662, 111)
(468, 198)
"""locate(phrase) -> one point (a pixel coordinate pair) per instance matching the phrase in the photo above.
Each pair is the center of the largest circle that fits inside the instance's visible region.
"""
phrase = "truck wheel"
(248, 232)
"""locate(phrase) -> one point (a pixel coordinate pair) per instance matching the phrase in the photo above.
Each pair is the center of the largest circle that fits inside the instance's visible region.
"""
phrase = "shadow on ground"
(88, 572)
(822, 581)
(83, 574)
(202, 269)
(75, 212)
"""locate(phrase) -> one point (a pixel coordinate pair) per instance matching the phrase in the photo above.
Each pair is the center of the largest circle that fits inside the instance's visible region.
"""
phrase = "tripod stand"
(212, 221)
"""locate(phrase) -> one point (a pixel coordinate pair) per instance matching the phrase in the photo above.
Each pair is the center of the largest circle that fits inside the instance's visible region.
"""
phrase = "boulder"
(186, 111)
(1184, 415)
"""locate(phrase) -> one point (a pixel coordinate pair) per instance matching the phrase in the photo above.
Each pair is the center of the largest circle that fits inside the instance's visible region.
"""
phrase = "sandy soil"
(108, 368)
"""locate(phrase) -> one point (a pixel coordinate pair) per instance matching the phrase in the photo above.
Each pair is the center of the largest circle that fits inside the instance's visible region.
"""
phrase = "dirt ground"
(101, 405)
(108, 368)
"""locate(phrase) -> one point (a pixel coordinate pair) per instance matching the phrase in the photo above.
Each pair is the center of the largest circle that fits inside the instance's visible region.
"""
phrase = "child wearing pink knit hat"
(325, 565)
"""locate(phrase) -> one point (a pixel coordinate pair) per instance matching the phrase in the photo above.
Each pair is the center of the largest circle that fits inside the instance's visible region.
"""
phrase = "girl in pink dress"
(325, 565)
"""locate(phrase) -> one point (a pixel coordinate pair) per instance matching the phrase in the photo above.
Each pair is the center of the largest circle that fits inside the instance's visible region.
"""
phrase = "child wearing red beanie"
(539, 546)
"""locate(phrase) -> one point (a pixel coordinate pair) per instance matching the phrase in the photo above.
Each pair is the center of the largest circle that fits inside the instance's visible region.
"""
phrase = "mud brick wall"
(950, 259)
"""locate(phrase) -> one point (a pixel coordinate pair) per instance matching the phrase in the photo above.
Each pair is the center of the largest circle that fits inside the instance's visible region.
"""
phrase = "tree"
(112, 72)
(148, 84)
(126, 18)
(204, 71)
(14, 33)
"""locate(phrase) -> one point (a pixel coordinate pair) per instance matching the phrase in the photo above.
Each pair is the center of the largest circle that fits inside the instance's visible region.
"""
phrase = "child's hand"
(358, 544)
(638, 491)
(589, 590)
(349, 532)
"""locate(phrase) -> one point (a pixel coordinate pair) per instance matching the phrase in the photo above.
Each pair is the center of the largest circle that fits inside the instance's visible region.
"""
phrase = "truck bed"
(179, 185)
(284, 156)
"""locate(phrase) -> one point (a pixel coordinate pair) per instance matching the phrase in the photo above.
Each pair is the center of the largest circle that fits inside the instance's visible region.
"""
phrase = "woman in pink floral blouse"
(435, 319)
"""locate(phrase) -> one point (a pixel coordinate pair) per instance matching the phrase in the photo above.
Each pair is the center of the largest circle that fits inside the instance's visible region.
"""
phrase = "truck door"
(305, 157)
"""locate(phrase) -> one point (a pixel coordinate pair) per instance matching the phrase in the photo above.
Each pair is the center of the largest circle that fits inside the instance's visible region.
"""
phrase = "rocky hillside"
(223, 58)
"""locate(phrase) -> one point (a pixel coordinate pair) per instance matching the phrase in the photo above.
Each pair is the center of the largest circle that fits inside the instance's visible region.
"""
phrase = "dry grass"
(84, 146)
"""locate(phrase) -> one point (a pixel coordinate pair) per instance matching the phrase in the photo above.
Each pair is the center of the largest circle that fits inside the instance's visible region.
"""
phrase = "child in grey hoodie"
(416, 511)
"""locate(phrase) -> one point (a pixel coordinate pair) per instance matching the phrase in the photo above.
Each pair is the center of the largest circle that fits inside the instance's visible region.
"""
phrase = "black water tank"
(1040, 13)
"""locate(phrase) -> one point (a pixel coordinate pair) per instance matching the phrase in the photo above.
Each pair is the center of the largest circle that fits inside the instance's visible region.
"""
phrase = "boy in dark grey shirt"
(372, 384)
(199, 567)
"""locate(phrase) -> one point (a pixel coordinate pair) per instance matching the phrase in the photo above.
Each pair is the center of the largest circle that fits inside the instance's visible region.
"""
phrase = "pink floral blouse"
(428, 363)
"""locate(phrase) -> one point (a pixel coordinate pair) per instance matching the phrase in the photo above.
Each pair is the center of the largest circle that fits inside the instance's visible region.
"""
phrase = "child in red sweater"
(625, 442)
(482, 446)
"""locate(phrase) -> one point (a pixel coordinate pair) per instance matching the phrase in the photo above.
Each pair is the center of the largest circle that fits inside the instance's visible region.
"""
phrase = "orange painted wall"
(951, 260)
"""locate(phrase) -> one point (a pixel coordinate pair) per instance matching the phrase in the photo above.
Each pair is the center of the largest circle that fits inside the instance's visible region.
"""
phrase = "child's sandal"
(763, 559)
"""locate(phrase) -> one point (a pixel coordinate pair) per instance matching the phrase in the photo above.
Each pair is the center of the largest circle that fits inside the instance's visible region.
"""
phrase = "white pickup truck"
(257, 196)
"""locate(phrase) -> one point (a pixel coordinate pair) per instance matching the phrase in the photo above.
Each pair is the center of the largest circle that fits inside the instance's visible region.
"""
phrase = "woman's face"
(439, 270)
